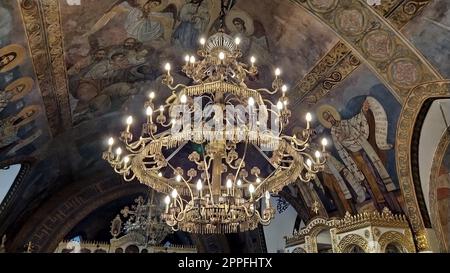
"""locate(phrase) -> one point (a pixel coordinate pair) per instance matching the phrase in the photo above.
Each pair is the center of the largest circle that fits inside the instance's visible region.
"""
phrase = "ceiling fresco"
(113, 54)
(22, 117)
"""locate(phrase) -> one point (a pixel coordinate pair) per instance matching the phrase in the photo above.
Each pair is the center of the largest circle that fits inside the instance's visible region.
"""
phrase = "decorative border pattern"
(340, 62)
(405, 129)
(396, 237)
(442, 148)
(352, 239)
(43, 27)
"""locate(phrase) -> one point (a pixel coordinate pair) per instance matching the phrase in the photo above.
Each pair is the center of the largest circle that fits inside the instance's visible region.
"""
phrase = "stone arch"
(350, 240)
(404, 141)
(397, 238)
(51, 229)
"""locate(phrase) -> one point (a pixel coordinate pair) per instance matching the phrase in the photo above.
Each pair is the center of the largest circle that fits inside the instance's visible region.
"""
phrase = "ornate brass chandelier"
(213, 191)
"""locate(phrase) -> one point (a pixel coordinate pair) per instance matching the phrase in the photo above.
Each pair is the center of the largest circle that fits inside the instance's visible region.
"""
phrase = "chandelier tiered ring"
(213, 190)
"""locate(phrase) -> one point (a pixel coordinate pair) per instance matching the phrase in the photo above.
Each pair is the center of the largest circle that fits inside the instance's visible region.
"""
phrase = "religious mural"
(360, 122)
(115, 51)
(21, 114)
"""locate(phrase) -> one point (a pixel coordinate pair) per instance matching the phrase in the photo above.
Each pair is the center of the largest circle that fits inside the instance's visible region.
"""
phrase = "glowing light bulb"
(149, 111)
(199, 185)
(237, 40)
(280, 105)
(324, 142)
(192, 60)
(284, 88)
(308, 117)
(129, 120)
(239, 183)
(167, 67)
(267, 195)
(187, 58)
(318, 154)
(251, 101)
(110, 141)
(222, 56)
(152, 95)
(118, 151)
(183, 99)
(167, 200)
(126, 159)
(202, 41)
(229, 184)
(160, 174)
(174, 193)
(178, 178)
(258, 180)
(277, 72)
(252, 60)
(309, 162)
(251, 188)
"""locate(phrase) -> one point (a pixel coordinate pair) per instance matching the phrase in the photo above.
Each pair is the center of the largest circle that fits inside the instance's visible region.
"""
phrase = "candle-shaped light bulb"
(237, 41)
(318, 155)
(199, 185)
(222, 56)
(129, 122)
(258, 180)
(308, 120)
(126, 160)
(174, 193)
(160, 174)
(251, 101)
(183, 99)
(267, 195)
(167, 67)
(251, 190)
(187, 58)
(239, 183)
(110, 144)
(324, 144)
(284, 88)
(161, 108)
(202, 41)
(252, 60)
(118, 151)
(309, 162)
(151, 95)
(178, 178)
(167, 202)
(280, 105)
(277, 72)
(192, 60)
(229, 184)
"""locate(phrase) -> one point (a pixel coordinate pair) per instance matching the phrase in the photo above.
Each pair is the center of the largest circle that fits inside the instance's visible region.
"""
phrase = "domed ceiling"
(72, 69)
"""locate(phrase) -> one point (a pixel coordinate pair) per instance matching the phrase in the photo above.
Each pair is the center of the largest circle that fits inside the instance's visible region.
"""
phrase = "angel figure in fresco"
(148, 21)
(241, 25)
(195, 18)
(361, 142)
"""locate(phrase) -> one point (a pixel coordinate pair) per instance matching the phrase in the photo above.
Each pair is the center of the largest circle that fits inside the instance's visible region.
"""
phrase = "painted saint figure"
(361, 142)
(145, 22)
(194, 17)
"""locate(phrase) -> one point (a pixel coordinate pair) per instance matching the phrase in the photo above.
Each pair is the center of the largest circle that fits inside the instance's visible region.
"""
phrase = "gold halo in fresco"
(331, 110)
(19, 88)
(27, 115)
(240, 14)
(11, 56)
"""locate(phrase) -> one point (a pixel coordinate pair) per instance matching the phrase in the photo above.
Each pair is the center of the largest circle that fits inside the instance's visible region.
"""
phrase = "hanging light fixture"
(217, 194)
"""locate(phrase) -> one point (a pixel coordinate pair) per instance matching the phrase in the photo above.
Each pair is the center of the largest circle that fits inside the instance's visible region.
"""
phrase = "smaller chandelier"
(218, 188)
(144, 218)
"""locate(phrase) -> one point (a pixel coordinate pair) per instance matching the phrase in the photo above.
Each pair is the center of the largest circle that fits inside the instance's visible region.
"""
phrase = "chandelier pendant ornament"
(213, 192)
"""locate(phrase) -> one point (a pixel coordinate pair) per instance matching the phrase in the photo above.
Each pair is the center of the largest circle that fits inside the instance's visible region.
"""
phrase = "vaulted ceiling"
(71, 70)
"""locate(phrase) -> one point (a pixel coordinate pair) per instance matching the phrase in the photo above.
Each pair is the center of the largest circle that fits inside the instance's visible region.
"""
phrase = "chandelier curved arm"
(267, 91)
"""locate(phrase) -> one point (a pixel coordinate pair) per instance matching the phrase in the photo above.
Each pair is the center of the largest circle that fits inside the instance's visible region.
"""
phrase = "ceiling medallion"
(200, 146)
